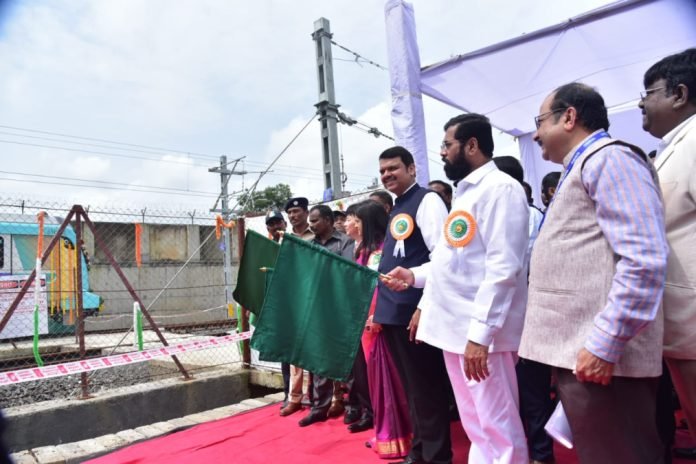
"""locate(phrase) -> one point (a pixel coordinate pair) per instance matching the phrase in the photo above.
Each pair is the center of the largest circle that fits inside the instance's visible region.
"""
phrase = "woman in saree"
(391, 419)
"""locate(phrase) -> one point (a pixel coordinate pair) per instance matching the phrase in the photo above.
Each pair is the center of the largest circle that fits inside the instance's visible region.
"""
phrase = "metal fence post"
(80, 309)
(244, 320)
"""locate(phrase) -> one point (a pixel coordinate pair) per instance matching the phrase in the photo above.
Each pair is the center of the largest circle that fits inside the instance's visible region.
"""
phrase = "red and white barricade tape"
(88, 365)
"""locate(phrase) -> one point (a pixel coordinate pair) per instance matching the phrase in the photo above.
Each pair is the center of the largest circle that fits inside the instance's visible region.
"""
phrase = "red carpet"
(262, 436)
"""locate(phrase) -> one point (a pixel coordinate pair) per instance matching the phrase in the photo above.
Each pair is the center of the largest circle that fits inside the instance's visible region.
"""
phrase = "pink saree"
(392, 423)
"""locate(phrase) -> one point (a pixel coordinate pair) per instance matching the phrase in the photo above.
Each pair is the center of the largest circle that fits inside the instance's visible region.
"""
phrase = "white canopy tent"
(609, 48)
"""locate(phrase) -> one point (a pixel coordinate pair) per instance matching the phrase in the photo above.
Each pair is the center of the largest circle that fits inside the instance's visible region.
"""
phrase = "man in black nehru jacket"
(415, 226)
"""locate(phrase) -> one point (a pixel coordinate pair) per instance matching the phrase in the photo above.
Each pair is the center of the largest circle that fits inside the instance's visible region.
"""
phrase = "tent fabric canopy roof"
(609, 48)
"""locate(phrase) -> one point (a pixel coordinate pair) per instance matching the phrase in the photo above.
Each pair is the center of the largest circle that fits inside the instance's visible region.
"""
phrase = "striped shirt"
(630, 214)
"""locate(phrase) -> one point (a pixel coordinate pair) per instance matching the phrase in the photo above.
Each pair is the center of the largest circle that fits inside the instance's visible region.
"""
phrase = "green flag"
(315, 309)
(251, 281)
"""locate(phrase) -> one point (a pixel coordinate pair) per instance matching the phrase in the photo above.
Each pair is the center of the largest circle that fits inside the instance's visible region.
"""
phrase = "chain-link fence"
(96, 265)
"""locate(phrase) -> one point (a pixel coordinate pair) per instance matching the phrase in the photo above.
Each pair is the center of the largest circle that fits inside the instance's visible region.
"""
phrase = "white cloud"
(216, 77)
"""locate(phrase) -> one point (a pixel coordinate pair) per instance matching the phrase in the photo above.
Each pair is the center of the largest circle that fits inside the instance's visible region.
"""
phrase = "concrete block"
(182, 422)
(268, 379)
(48, 455)
(243, 407)
(275, 397)
(23, 457)
(230, 410)
(72, 452)
(62, 421)
(148, 431)
(111, 441)
(91, 446)
(200, 417)
(130, 436)
(215, 414)
(254, 403)
(165, 427)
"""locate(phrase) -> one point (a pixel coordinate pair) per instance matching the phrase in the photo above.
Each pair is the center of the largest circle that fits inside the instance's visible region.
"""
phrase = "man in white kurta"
(475, 292)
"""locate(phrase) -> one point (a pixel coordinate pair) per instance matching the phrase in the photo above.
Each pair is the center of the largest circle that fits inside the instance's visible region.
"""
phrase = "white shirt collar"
(671, 135)
(476, 175)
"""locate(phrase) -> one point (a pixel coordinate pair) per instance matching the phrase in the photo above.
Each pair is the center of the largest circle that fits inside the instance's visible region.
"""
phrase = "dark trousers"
(323, 390)
(4, 452)
(683, 374)
(614, 423)
(424, 377)
(534, 382)
(666, 423)
(285, 370)
(358, 387)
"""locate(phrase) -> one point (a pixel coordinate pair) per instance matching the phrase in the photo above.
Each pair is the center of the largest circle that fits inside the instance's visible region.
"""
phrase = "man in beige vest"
(669, 113)
(596, 280)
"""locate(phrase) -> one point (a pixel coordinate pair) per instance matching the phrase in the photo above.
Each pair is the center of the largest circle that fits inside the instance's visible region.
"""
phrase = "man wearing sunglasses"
(596, 280)
(669, 113)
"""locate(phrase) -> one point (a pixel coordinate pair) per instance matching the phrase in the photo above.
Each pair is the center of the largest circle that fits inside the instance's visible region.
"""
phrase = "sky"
(129, 102)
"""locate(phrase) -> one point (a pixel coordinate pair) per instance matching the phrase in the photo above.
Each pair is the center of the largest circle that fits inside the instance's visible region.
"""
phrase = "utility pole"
(327, 110)
(225, 175)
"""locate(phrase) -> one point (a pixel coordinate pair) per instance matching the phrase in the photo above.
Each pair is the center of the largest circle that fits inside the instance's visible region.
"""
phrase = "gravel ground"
(68, 387)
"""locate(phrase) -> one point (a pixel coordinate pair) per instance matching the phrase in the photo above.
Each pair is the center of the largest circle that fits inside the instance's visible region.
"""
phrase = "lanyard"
(581, 149)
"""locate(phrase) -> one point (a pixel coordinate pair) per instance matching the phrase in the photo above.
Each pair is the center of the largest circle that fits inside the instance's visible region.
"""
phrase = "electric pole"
(327, 110)
(225, 175)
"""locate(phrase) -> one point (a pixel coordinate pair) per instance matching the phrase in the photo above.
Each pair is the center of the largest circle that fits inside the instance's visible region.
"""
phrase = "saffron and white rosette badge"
(374, 260)
(460, 228)
(401, 228)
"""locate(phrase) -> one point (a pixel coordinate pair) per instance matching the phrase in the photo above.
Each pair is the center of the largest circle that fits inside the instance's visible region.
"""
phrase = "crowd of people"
(493, 304)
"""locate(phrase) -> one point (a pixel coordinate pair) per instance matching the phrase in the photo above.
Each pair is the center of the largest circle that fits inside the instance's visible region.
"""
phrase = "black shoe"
(685, 453)
(410, 460)
(312, 417)
(352, 415)
(363, 424)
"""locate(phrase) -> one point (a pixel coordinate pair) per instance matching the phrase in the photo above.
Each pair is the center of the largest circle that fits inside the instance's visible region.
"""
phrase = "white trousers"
(489, 410)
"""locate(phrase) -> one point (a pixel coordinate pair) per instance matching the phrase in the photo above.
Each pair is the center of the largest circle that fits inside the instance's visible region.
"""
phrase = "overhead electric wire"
(283, 171)
(293, 169)
(117, 155)
(227, 181)
(91, 152)
(360, 57)
(107, 182)
(204, 241)
(361, 126)
(50, 139)
(289, 172)
(289, 169)
(103, 187)
(251, 190)
(94, 139)
(162, 151)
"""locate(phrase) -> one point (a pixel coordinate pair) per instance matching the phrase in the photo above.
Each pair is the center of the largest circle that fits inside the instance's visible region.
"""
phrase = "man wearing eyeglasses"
(596, 280)
(475, 289)
(669, 113)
